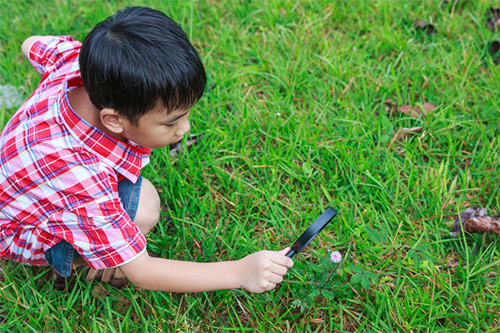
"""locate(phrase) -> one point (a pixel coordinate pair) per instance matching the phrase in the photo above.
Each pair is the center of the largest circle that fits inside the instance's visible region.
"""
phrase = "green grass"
(295, 122)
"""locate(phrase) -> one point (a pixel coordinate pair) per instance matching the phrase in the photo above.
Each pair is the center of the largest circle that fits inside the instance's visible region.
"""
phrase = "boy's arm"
(25, 47)
(256, 272)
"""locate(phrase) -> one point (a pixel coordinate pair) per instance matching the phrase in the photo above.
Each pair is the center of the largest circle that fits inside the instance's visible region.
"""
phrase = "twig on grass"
(241, 307)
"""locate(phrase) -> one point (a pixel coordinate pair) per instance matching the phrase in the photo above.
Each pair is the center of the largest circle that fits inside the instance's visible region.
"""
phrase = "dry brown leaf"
(416, 111)
(404, 133)
(475, 220)
(316, 320)
(485, 224)
(425, 26)
(410, 110)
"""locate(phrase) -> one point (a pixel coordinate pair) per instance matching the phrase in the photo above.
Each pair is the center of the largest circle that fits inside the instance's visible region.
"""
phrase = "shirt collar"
(126, 158)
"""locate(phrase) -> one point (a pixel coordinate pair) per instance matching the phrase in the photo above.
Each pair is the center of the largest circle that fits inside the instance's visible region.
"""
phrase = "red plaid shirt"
(59, 174)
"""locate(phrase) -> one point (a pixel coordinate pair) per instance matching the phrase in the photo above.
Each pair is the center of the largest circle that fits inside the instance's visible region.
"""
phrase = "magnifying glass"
(312, 232)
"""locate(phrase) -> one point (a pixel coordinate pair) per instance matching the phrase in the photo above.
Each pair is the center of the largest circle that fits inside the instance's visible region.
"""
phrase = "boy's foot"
(113, 276)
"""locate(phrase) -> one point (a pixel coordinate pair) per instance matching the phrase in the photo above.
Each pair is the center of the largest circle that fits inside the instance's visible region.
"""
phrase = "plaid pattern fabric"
(59, 174)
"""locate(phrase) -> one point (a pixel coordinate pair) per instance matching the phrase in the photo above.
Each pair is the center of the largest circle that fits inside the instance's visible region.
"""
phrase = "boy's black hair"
(137, 58)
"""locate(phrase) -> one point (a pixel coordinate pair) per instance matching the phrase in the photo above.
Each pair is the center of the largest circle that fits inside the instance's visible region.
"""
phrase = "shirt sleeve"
(89, 215)
(104, 235)
(47, 51)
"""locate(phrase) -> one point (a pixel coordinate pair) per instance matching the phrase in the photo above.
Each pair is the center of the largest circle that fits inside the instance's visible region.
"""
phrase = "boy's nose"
(183, 128)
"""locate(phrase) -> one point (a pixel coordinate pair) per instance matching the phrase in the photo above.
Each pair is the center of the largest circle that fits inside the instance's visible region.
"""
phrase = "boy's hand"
(263, 270)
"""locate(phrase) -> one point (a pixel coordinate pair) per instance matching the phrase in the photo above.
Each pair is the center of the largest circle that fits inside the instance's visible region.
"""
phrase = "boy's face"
(157, 129)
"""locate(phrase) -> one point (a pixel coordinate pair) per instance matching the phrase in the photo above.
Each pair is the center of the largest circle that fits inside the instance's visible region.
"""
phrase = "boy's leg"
(147, 214)
(142, 203)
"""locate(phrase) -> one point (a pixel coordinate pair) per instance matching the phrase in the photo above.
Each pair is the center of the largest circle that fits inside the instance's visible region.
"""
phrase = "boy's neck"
(81, 104)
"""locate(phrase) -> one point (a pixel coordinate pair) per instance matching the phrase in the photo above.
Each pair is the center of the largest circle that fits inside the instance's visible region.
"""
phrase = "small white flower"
(277, 114)
(336, 257)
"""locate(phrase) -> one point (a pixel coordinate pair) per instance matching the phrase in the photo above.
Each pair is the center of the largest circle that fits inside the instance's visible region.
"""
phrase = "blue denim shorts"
(60, 256)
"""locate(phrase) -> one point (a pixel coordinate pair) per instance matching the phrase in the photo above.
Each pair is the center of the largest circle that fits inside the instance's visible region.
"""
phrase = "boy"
(71, 155)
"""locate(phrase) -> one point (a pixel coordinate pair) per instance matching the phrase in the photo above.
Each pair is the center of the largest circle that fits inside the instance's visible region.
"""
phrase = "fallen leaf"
(493, 18)
(410, 110)
(472, 214)
(404, 133)
(428, 107)
(416, 111)
(425, 26)
(485, 224)
(316, 320)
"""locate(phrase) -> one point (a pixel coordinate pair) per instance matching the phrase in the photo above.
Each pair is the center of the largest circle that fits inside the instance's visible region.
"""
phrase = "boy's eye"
(171, 125)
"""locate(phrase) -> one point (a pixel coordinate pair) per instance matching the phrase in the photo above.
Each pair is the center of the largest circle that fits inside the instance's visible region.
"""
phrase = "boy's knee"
(148, 211)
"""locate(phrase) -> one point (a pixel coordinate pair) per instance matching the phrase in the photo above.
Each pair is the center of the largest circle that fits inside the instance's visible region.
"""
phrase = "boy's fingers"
(275, 278)
(282, 260)
(279, 270)
(284, 251)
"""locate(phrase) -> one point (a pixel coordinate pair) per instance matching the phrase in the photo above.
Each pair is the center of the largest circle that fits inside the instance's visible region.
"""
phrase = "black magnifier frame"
(311, 232)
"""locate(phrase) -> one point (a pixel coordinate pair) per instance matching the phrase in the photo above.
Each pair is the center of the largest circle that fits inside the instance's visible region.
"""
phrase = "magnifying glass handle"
(290, 253)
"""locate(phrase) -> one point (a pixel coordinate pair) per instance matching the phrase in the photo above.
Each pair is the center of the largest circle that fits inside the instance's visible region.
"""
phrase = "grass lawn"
(303, 111)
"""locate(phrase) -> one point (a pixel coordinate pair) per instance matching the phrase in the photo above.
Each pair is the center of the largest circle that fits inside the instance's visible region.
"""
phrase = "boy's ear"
(111, 120)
